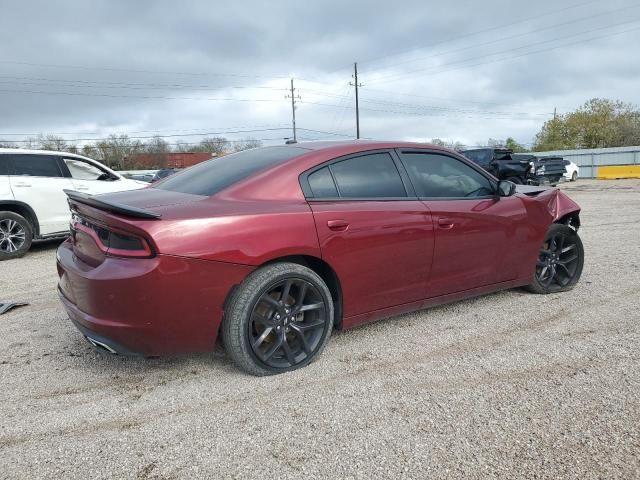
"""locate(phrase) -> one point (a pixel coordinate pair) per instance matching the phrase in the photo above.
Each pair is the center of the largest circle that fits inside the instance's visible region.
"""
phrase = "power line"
(145, 137)
(539, 51)
(120, 133)
(433, 107)
(120, 69)
(424, 114)
(153, 97)
(474, 33)
(127, 85)
(388, 78)
(93, 139)
(325, 132)
(177, 144)
(536, 31)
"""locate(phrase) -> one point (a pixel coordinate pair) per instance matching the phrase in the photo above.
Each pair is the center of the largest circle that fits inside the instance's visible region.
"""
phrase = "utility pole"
(555, 127)
(356, 85)
(293, 97)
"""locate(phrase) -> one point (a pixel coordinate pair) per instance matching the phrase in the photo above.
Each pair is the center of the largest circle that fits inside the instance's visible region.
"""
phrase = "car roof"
(365, 144)
(24, 151)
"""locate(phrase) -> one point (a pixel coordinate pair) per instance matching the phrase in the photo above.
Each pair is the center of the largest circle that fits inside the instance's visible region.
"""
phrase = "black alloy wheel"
(287, 323)
(279, 319)
(560, 261)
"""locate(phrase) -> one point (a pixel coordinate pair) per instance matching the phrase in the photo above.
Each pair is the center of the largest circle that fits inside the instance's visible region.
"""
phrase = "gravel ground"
(506, 385)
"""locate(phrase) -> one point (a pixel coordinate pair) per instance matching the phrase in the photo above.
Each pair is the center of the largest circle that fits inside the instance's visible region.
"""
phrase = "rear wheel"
(574, 176)
(279, 319)
(16, 235)
(560, 261)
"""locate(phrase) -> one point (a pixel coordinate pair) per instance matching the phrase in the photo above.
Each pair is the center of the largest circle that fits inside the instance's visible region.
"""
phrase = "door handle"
(338, 225)
(84, 189)
(21, 184)
(445, 223)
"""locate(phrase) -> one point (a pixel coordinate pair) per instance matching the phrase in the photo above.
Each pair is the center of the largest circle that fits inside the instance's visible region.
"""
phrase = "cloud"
(458, 70)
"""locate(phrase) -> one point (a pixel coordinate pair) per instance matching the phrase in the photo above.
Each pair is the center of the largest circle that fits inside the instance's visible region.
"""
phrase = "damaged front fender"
(558, 204)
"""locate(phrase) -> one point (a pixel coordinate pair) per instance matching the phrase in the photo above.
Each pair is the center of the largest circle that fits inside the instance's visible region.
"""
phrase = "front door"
(478, 236)
(89, 178)
(37, 180)
(375, 234)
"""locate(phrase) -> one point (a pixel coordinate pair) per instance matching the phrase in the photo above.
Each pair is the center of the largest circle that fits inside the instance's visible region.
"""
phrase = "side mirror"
(506, 188)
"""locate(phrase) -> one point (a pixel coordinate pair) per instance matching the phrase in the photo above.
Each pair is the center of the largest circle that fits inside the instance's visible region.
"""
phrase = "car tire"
(16, 235)
(278, 319)
(516, 180)
(574, 176)
(560, 261)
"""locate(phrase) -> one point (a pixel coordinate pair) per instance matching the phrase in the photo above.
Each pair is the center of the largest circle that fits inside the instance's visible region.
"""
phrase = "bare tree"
(52, 142)
(246, 144)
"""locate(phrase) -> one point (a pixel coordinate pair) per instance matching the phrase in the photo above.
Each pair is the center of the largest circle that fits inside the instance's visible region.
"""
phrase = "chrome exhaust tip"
(100, 345)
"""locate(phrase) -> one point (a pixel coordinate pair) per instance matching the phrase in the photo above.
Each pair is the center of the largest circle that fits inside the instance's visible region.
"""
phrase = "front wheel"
(279, 319)
(560, 261)
(574, 176)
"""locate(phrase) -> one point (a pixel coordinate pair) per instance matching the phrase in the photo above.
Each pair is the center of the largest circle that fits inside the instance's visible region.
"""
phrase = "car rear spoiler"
(118, 208)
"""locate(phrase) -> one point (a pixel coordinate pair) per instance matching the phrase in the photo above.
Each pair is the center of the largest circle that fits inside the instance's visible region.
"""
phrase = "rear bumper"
(84, 323)
(153, 306)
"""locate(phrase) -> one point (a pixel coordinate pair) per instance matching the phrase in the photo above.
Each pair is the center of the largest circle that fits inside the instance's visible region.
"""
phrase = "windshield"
(208, 178)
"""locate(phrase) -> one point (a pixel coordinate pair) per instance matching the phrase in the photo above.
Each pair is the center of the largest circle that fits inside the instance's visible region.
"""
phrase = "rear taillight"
(110, 241)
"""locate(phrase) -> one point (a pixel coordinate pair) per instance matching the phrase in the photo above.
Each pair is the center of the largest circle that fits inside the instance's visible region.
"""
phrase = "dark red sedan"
(275, 247)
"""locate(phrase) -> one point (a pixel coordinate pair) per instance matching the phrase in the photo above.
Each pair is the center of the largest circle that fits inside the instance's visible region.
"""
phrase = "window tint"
(322, 185)
(4, 165)
(36, 165)
(368, 176)
(443, 176)
(481, 157)
(208, 178)
(82, 170)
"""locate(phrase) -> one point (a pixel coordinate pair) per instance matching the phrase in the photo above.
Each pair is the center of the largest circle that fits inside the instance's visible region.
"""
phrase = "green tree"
(514, 146)
(598, 123)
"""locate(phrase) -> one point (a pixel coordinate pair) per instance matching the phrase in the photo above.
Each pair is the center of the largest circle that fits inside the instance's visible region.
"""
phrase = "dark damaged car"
(519, 168)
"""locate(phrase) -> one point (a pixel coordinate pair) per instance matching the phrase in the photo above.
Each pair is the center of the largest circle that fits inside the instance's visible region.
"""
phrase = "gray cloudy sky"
(457, 70)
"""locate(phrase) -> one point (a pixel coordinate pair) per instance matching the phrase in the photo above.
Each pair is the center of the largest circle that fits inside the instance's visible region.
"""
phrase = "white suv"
(32, 202)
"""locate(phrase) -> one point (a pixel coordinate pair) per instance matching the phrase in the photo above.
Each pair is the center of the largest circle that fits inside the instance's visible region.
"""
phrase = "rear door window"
(368, 176)
(36, 165)
(322, 184)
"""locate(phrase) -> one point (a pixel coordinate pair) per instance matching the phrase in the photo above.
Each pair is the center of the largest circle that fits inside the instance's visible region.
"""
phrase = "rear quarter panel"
(248, 233)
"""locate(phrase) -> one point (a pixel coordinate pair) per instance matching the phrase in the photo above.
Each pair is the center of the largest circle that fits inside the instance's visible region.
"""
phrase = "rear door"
(372, 230)
(38, 181)
(478, 237)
